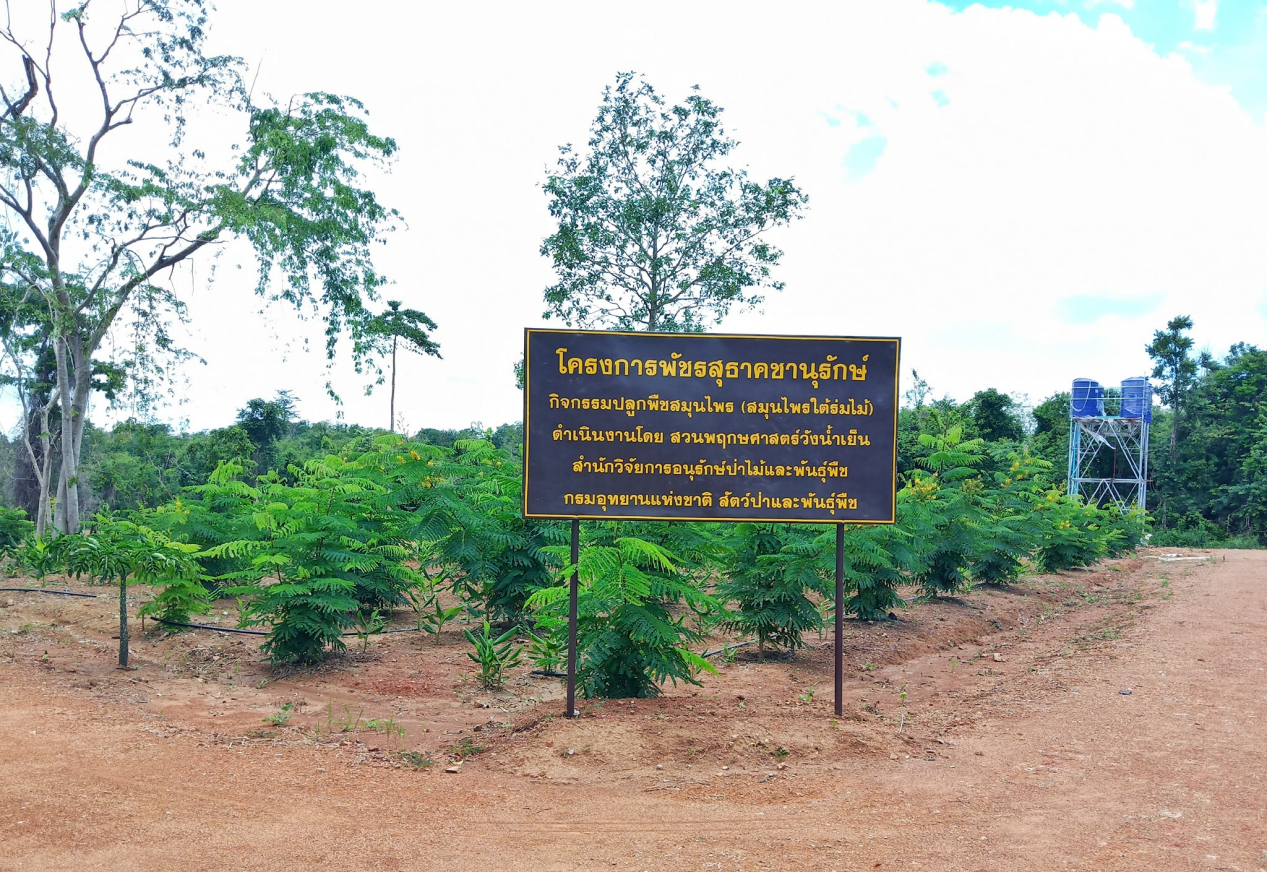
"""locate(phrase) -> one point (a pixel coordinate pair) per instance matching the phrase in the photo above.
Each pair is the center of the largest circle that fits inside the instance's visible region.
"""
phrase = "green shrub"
(1010, 529)
(1245, 542)
(472, 521)
(1123, 530)
(945, 512)
(769, 592)
(38, 557)
(114, 550)
(629, 640)
(874, 558)
(313, 554)
(1071, 532)
(493, 654)
(1190, 531)
(14, 529)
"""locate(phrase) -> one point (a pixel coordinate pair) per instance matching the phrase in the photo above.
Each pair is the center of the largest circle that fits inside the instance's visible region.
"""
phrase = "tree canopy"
(653, 233)
(1175, 368)
(96, 231)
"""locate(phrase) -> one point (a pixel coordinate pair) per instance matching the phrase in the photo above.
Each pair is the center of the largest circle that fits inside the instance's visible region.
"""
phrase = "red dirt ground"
(989, 732)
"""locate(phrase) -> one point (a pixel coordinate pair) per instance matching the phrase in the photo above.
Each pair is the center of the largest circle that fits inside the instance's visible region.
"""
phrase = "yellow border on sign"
(897, 373)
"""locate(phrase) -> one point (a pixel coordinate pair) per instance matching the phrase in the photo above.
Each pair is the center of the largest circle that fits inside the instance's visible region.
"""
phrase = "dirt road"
(1109, 720)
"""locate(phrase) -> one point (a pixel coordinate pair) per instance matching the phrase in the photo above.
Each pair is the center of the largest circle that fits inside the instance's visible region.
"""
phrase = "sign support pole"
(572, 592)
(840, 620)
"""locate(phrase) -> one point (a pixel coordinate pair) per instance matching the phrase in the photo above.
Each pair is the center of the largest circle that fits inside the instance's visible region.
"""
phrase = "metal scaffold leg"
(1108, 460)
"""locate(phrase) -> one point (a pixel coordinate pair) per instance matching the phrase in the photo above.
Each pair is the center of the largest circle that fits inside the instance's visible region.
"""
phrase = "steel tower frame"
(1127, 438)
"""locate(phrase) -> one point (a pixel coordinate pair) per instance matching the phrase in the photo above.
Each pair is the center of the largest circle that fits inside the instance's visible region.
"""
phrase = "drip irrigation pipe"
(725, 648)
(257, 632)
(708, 654)
(49, 590)
(168, 623)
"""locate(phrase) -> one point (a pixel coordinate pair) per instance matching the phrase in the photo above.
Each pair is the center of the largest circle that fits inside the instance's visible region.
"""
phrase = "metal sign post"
(840, 620)
(573, 585)
(709, 427)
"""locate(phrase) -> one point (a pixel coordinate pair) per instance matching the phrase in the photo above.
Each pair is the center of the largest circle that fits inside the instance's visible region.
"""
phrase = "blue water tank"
(1137, 398)
(1087, 399)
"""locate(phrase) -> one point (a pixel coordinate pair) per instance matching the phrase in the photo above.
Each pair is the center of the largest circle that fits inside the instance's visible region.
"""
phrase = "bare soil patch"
(1106, 719)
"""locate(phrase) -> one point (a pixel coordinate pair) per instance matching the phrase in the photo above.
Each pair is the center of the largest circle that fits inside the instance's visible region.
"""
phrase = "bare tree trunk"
(44, 515)
(1174, 432)
(35, 431)
(123, 622)
(74, 382)
(391, 428)
(41, 463)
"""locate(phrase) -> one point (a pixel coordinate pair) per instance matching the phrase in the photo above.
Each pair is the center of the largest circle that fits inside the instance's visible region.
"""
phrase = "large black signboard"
(672, 426)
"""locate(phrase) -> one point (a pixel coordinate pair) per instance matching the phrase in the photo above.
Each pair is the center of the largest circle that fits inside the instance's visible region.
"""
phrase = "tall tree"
(653, 234)
(105, 215)
(1174, 366)
(995, 416)
(266, 421)
(410, 327)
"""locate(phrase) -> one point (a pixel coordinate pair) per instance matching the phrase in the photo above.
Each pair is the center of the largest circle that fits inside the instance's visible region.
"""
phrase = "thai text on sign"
(710, 427)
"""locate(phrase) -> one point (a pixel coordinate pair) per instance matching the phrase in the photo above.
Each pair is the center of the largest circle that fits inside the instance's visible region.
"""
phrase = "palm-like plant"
(403, 326)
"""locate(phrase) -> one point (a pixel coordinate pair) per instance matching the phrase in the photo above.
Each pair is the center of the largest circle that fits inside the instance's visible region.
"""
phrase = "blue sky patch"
(835, 120)
(861, 158)
(1089, 308)
(940, 98)
(936, 68)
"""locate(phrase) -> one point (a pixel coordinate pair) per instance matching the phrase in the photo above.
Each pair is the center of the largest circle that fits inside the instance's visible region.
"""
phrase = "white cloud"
(1069, 161)
(1204, 14)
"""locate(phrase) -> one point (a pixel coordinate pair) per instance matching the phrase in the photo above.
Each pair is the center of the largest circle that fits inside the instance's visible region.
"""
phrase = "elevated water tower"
(1108, 442)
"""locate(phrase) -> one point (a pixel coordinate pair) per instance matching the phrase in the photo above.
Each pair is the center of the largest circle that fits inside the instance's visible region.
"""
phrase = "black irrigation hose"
(209, 627)
(709, 654)
(256, 632)
(726, 648)
(49, 590)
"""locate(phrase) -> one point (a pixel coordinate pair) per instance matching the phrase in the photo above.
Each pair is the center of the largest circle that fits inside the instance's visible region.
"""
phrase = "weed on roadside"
(281, 717)
(415, 759)
(466, 747)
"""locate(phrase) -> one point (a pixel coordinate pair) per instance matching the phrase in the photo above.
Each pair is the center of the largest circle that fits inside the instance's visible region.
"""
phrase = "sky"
(1023, 192)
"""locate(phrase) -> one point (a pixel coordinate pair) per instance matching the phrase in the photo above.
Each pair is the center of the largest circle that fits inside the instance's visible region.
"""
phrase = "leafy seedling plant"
(349, 723)
(415, 759)
(368, 623)
(281, 717)
(433, 622)
(547, 651)
(389, 727)
(466, 747)
(493, 654)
